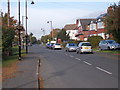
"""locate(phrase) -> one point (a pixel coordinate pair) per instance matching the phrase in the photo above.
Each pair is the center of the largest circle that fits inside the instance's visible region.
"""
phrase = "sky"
(59, 12)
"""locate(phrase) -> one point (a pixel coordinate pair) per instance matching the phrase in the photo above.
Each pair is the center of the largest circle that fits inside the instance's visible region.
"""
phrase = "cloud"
(60, 17)
(59, 13)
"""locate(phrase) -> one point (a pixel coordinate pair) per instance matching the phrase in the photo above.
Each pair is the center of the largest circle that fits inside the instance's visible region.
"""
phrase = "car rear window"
(57, 44)
(86, 44)
(72, 44)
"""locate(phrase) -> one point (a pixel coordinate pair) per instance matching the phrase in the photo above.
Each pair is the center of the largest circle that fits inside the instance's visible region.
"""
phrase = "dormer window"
(99, 20)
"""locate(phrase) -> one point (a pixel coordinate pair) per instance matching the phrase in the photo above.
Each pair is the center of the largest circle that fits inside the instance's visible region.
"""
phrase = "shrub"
(94, 40)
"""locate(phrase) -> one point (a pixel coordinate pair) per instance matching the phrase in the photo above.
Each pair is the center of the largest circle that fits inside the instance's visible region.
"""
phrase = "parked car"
(70, 47)
(57, 46)
(47, 45)
(51, 45)
(108, 44)
(84, 47)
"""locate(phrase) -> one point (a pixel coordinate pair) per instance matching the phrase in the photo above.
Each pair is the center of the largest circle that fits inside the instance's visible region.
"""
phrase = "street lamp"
(43, 31)
(51, 29)
(19, 30)
(22, 20)
(26, 27)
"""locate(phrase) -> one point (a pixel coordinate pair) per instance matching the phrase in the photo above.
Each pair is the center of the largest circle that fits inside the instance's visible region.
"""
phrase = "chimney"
(110, 9)
(77, 21)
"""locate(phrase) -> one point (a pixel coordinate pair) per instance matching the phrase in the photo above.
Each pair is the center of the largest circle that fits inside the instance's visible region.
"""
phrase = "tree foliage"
(94, 40)
(32, 39)
(63, 35)
(112, 22)
(45, 38)
(8, 33)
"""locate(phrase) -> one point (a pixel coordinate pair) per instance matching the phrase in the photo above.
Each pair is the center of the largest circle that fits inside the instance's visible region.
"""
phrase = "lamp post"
(43, 31)
(23, 20)
(19, 30)
(26, 26)
(51, 29)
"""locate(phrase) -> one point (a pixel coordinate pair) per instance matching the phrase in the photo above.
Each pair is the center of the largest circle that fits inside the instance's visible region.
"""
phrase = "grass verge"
(8, 61)
(108, 51)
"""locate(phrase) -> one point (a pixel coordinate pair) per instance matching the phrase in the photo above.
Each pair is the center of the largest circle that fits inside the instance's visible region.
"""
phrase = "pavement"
(26, 74)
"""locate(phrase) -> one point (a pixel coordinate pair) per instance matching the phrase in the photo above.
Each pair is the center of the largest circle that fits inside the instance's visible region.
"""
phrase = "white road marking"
(103, 70)
(37, 69)
(71, 56)
(78, 59)
(87, 63)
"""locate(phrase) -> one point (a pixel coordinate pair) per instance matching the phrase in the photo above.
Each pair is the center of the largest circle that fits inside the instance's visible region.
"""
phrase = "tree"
(55, 32)
(33, 40)
(63, 35)
(112, 22)
(30, 37)
(8, 33)
(94, 40)
(45, 38)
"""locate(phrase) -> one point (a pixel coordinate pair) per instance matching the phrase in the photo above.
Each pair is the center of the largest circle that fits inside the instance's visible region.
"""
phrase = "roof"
(85, 22)
(102, 16)
(71, 27)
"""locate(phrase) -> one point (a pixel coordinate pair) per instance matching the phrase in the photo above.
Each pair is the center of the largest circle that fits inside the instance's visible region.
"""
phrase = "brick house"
(83, 28)
(92, 27)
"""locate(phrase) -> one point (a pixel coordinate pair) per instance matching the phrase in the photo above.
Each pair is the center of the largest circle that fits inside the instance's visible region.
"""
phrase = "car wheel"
(81, 53)
(100, 49)
(77, 52)
(108, 48)
(91, 52)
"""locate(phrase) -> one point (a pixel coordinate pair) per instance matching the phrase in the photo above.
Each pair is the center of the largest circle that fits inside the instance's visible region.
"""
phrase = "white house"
(72, 30)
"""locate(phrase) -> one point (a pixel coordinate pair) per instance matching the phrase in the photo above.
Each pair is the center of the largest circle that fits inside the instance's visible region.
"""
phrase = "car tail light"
(80, 47)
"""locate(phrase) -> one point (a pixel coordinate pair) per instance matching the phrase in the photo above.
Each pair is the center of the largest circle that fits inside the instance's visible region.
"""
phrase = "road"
(61, 69)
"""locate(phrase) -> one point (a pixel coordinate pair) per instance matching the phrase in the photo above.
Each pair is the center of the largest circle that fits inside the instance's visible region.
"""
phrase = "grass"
(108, 51)
(8, 61)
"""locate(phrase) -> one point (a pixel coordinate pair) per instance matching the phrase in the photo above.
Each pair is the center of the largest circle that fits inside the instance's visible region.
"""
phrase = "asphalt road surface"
(61, 69)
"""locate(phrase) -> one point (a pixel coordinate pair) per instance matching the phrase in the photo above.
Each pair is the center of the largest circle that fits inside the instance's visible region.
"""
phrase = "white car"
(84, 47)
(57, 46)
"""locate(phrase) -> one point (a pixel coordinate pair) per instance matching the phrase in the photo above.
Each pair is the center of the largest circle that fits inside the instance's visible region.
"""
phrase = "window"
(86, 44)
(72, 44)
(100, 25)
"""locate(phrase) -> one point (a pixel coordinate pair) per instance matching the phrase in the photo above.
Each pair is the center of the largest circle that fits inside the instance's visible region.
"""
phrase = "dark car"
(70, 47)
(47, 45)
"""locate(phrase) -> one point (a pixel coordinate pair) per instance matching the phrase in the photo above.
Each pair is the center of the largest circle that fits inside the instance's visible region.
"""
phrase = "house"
(83, 28)
(72, 30)
(92, 27)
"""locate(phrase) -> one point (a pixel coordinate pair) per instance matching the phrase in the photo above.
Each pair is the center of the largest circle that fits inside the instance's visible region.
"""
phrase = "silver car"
(70, 47)
(84, 47)
(108, 44)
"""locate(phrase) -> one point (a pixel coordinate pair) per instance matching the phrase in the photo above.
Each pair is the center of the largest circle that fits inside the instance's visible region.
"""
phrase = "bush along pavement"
(94, 40)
